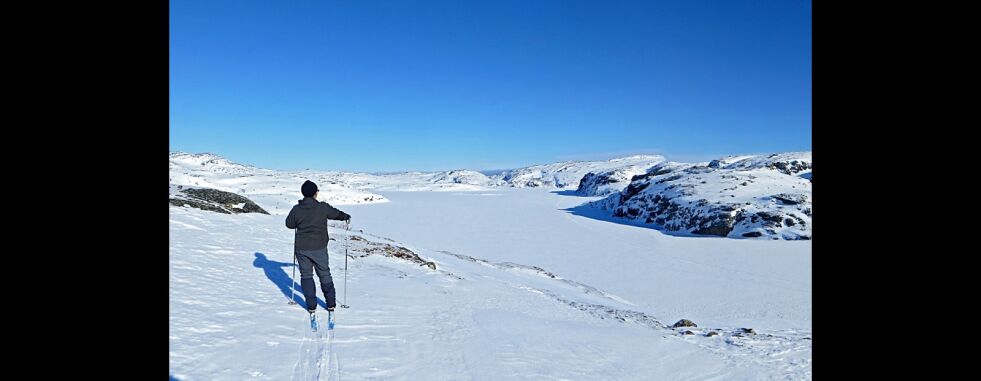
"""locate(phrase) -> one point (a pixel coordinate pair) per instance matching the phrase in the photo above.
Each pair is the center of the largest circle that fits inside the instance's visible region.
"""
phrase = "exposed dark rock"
(790, 199)
(772, 218)
(656, 170)
(711, 333)
(395, 252)
(790, 167)
(720, 227)
(669, 178)
(684, 323)
(632, 191)
(215, 200)
(198, 204)
(752, 234)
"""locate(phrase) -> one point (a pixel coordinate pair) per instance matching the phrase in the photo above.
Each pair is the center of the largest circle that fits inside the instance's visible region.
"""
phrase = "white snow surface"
(491, 309)
(529, 283)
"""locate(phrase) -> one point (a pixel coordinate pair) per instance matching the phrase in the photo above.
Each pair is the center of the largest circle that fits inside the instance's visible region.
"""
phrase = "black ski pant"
(309, 261)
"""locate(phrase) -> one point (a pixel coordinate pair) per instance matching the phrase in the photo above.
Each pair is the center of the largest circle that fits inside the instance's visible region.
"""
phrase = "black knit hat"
(308, 189)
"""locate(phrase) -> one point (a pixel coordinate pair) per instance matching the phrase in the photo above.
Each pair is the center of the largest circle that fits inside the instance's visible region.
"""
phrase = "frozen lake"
(714, 281)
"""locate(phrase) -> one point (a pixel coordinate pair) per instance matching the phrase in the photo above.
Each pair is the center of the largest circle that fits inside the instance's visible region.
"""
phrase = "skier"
(309, 218)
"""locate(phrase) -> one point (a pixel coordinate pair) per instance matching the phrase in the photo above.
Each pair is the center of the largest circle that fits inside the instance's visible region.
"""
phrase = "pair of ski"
(314, 325)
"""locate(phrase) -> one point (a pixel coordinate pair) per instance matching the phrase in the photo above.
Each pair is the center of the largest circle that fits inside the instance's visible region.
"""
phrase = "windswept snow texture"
(764, 197)
(569, 173)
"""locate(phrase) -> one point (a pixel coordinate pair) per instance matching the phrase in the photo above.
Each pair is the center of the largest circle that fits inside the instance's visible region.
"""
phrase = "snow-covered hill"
(569, 173)
(765, 196)
(611, 181)
(274, 191)
(277, 191)
(461, 176)
(754, 196)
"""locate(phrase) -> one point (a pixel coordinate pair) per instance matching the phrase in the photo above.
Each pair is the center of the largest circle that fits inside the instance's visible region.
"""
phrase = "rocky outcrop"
(760, 197)
(684, 323)
(607, 182)
(212, 200)
(569, 174)
(387, 250)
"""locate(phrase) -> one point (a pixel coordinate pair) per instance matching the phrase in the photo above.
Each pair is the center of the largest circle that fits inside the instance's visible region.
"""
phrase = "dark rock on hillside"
(214, 200)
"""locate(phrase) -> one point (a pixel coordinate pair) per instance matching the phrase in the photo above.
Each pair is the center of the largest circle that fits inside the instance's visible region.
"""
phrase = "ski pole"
(293, 280)
(293, 293)
(347, 226)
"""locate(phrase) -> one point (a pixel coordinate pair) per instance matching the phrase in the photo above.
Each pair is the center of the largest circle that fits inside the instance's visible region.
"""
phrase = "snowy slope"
(569, 173)
(274, 191)
(766, 196)
(461, 176)
(456, 180)
(471, 317)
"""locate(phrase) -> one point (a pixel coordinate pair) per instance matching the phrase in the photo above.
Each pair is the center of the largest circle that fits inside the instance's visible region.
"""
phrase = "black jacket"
(309, 218)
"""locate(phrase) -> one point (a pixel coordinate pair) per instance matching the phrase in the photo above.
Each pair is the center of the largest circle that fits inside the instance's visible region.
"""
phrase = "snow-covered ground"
(491, 309)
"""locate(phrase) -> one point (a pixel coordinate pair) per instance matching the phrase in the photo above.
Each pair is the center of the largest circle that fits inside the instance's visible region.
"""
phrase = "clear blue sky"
(434, 85)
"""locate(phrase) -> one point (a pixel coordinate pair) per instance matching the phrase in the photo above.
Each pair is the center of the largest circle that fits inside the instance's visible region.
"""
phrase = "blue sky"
(434, 85)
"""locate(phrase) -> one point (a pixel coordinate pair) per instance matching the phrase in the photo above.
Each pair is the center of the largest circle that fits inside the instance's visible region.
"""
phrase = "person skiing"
(309, 218)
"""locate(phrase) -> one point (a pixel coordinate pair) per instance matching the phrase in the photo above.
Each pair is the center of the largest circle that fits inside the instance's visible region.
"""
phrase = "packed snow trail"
(310, 361)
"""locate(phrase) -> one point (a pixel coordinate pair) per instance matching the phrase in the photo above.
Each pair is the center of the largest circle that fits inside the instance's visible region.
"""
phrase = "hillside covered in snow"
(569, 173)
(755, 196)
(765, 196)
(276, 191)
